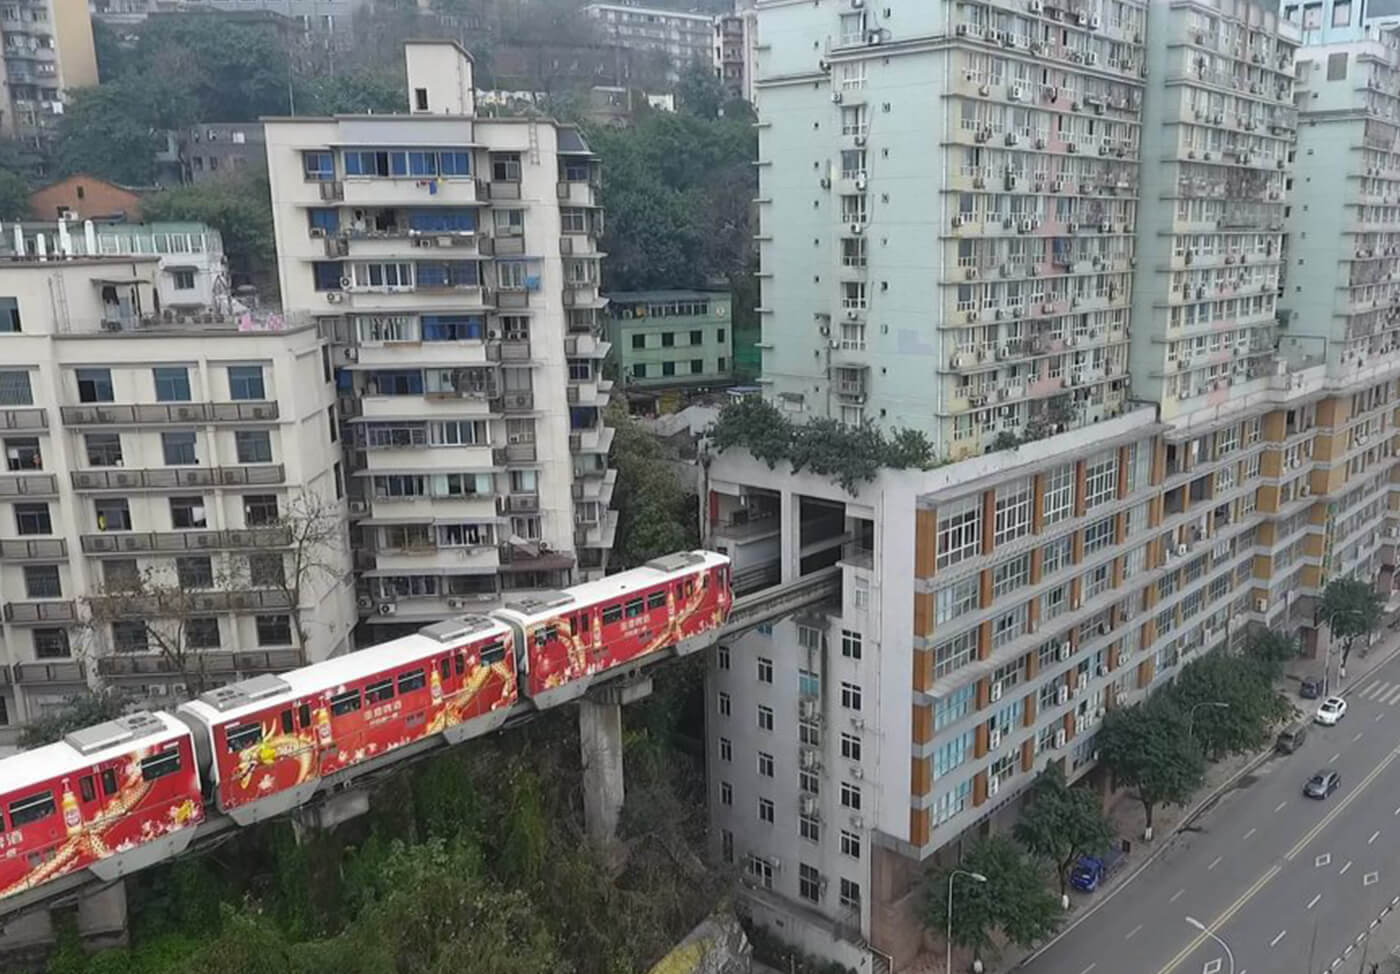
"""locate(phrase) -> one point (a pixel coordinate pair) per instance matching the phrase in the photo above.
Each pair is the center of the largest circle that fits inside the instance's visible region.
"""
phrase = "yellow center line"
(1274, 870)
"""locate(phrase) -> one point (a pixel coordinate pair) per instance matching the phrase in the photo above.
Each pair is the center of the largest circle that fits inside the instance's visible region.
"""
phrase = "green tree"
(1061, 823)
(110, 131)
(14, 196)
(655, 514)
(1273, 648)
(358, 93)
(83, 710)
(239, 206)
(1146, 748)
(231, 70)
(1253, 707)
(1351, 609)
(1014, 899)
(700, 93)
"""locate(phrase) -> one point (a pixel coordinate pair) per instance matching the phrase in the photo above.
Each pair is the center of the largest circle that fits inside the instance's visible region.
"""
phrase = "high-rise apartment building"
(1331, 21)
(47, 50)
(1210, 438)
(152, 464)
(682, 38)
(736, 49)
(455, 260)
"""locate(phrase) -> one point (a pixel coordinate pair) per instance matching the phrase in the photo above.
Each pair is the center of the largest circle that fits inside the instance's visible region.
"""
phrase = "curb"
(1186, 820)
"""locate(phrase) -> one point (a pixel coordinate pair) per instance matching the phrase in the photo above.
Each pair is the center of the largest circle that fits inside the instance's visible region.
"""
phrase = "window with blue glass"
(808, 683)
(583, 417)
(422, 163)
(952, 754)
(172, 384)
(376, 162)
(443, 220)
(246, 382)
(324, 218)
(452, 328)
(455, 162)
(327, 275)
(953, 707)
(318, 166)
(396, 382)
(447, 273)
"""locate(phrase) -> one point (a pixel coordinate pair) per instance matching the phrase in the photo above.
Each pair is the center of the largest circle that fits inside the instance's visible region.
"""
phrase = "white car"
(1332, 710)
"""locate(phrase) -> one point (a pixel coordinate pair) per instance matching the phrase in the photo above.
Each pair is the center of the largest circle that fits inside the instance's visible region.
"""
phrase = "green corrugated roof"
(638, 297)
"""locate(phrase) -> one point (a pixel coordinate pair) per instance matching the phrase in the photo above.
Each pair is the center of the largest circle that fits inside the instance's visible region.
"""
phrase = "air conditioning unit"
(858, 723)
(1065, 650)
(860, 140)
(857, 821)
(1062, 695)
(809, 757)
(364, 603)
(994, 741)
(359, 507)
(1261, 605)
(996, 691)
(856, 229)
(387, 609)
(836, 97)
(456, 604)
(993, 786)
(808, 805)
(807, 710)
(334, 297)
(858, 773)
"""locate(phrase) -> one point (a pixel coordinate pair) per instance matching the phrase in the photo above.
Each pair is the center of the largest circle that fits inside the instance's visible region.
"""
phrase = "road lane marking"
(1274, 942)
(1215, 863)
(1359, 735)
(1221, 920)
(1132, 932)
(1313, 902)
(1379, 716)
(1089, 968)
(1376, 687)
(1392, 697)
(1327, 819)
(1345, 868)
(1321, 860)
(1370, 879)
(1374, 836)
(1176, 896)
(1279, 807)
(1250, 832)
(1334, 758)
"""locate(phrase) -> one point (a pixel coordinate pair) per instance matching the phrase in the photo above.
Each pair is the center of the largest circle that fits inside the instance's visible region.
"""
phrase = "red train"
(125, 794)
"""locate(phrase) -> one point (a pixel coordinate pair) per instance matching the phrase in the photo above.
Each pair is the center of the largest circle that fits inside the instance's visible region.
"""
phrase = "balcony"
(514, 453)
(595, 439)
(394, 192)
(40, 613)
(514, 402)
(512, 297)
(176, 542)
(519, 504)
(152, 664)
(33, 549)
(534, 557)
(28, 484)
(35, 674)
(23, 419)
(163, 413)
(597, 535)
(169, 478)
(249, 600)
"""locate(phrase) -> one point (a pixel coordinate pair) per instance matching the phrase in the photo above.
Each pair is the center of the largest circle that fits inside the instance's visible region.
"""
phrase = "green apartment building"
(666, 339)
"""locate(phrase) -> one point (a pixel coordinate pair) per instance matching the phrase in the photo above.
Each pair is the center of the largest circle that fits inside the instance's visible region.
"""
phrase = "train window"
(690, 586)
(31, 809)
(409, 682)
(345, 703)
(612, 614)
(546, 634)
(656, 600)
(86, 789)
(493, 653)
(109, 781)
(383, 690)
(240, 737)
(304, 715)
(634, 608)
(461, 663)
(581, 624)
(287, 725)
(445, 667)
(160, 765)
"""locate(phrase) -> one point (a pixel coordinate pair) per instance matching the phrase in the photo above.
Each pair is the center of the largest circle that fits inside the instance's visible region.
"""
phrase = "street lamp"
(1211, 934)
(1191, 714)
(976, 878)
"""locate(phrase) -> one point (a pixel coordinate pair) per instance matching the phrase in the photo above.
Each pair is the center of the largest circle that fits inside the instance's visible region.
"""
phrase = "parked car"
(1292, 737)
(1310, 689)
(1322, 784)
(1089, 871)
(1333, 709)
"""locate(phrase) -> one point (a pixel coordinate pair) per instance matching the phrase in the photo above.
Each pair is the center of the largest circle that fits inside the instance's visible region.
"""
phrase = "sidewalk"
(1377, 943)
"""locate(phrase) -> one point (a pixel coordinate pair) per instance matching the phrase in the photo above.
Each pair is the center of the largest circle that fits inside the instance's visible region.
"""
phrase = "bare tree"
(313, 541)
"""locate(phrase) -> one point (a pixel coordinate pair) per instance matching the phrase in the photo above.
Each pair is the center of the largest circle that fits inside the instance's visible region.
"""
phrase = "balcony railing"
(165, 478)
(33, 549)
(31, 674)
(159, 413)
(178, 541)
(143, 664)
(23, 419)
(28, 485)
(514, 402)
(35, 613)
(247, 600)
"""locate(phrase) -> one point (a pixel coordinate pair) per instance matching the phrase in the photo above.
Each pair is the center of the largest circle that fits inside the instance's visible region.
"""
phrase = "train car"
(269, 743)
(572, 637)
(112, 799)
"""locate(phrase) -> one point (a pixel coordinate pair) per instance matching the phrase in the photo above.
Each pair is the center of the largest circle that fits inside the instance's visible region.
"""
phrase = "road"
(1278, 877)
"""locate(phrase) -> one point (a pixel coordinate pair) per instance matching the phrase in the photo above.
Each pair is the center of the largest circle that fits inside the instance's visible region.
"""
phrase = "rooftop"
(637, 297)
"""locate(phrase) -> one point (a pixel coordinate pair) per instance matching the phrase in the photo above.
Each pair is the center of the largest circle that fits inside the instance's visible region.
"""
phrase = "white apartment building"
(47, 50)
(683, 37)
(456, 262)
(143, 451)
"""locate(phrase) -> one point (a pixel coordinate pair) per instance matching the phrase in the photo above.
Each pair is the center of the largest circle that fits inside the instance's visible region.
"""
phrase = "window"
(420, 99)
(850, 644)
(959, 531)
(1058, 499)
(42, 582)
(722, 657)
(954, 654)
(1101, 480)
(319, 167)
(509, 223)
(723, 704)
(202, 633)
(765, 717)
(187, 512)
(51, 644)
(765, 810)
(808, 684)
(267, 569)
(505, 167)
(344, 703)
(129, 636)
(324, 219)
(274, 630)
(726, 749)
(850, 746)
(32, 809)
(760, 871)
(259, 510)
(639, 341)
(850, 796)
(808, 783)
(952, 708)
(172, 384)
(697, 365)
(113, 514)
(809, 883)
(809, 828)
(765, 670)
(850, 696)
(326, 275)
(253, 446)
(1011, 575)
(33, 519)
(726, 843)
(453, 328)
(850, 894)
(194, 572)
(1098, 535)
(94, 385)
(1013, 511)
(850, 844)
(179, 448)
(956, 599)
(15, 389)
(246, 382)
(9, 316)
(726, 793)
(104, 449)
(765, 765)
(572, 219)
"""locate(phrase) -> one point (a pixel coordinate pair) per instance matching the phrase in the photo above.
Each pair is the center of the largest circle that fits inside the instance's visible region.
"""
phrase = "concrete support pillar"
(102, 917)
(600, 738)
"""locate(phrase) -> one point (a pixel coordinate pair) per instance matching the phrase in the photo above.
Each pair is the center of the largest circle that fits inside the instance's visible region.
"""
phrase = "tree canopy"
(238, 205)
(655, 514)
(14, 196)
(1014, 899)
(1351, 609)
(1060, 823)
(1253, 708)
(1146, 748)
